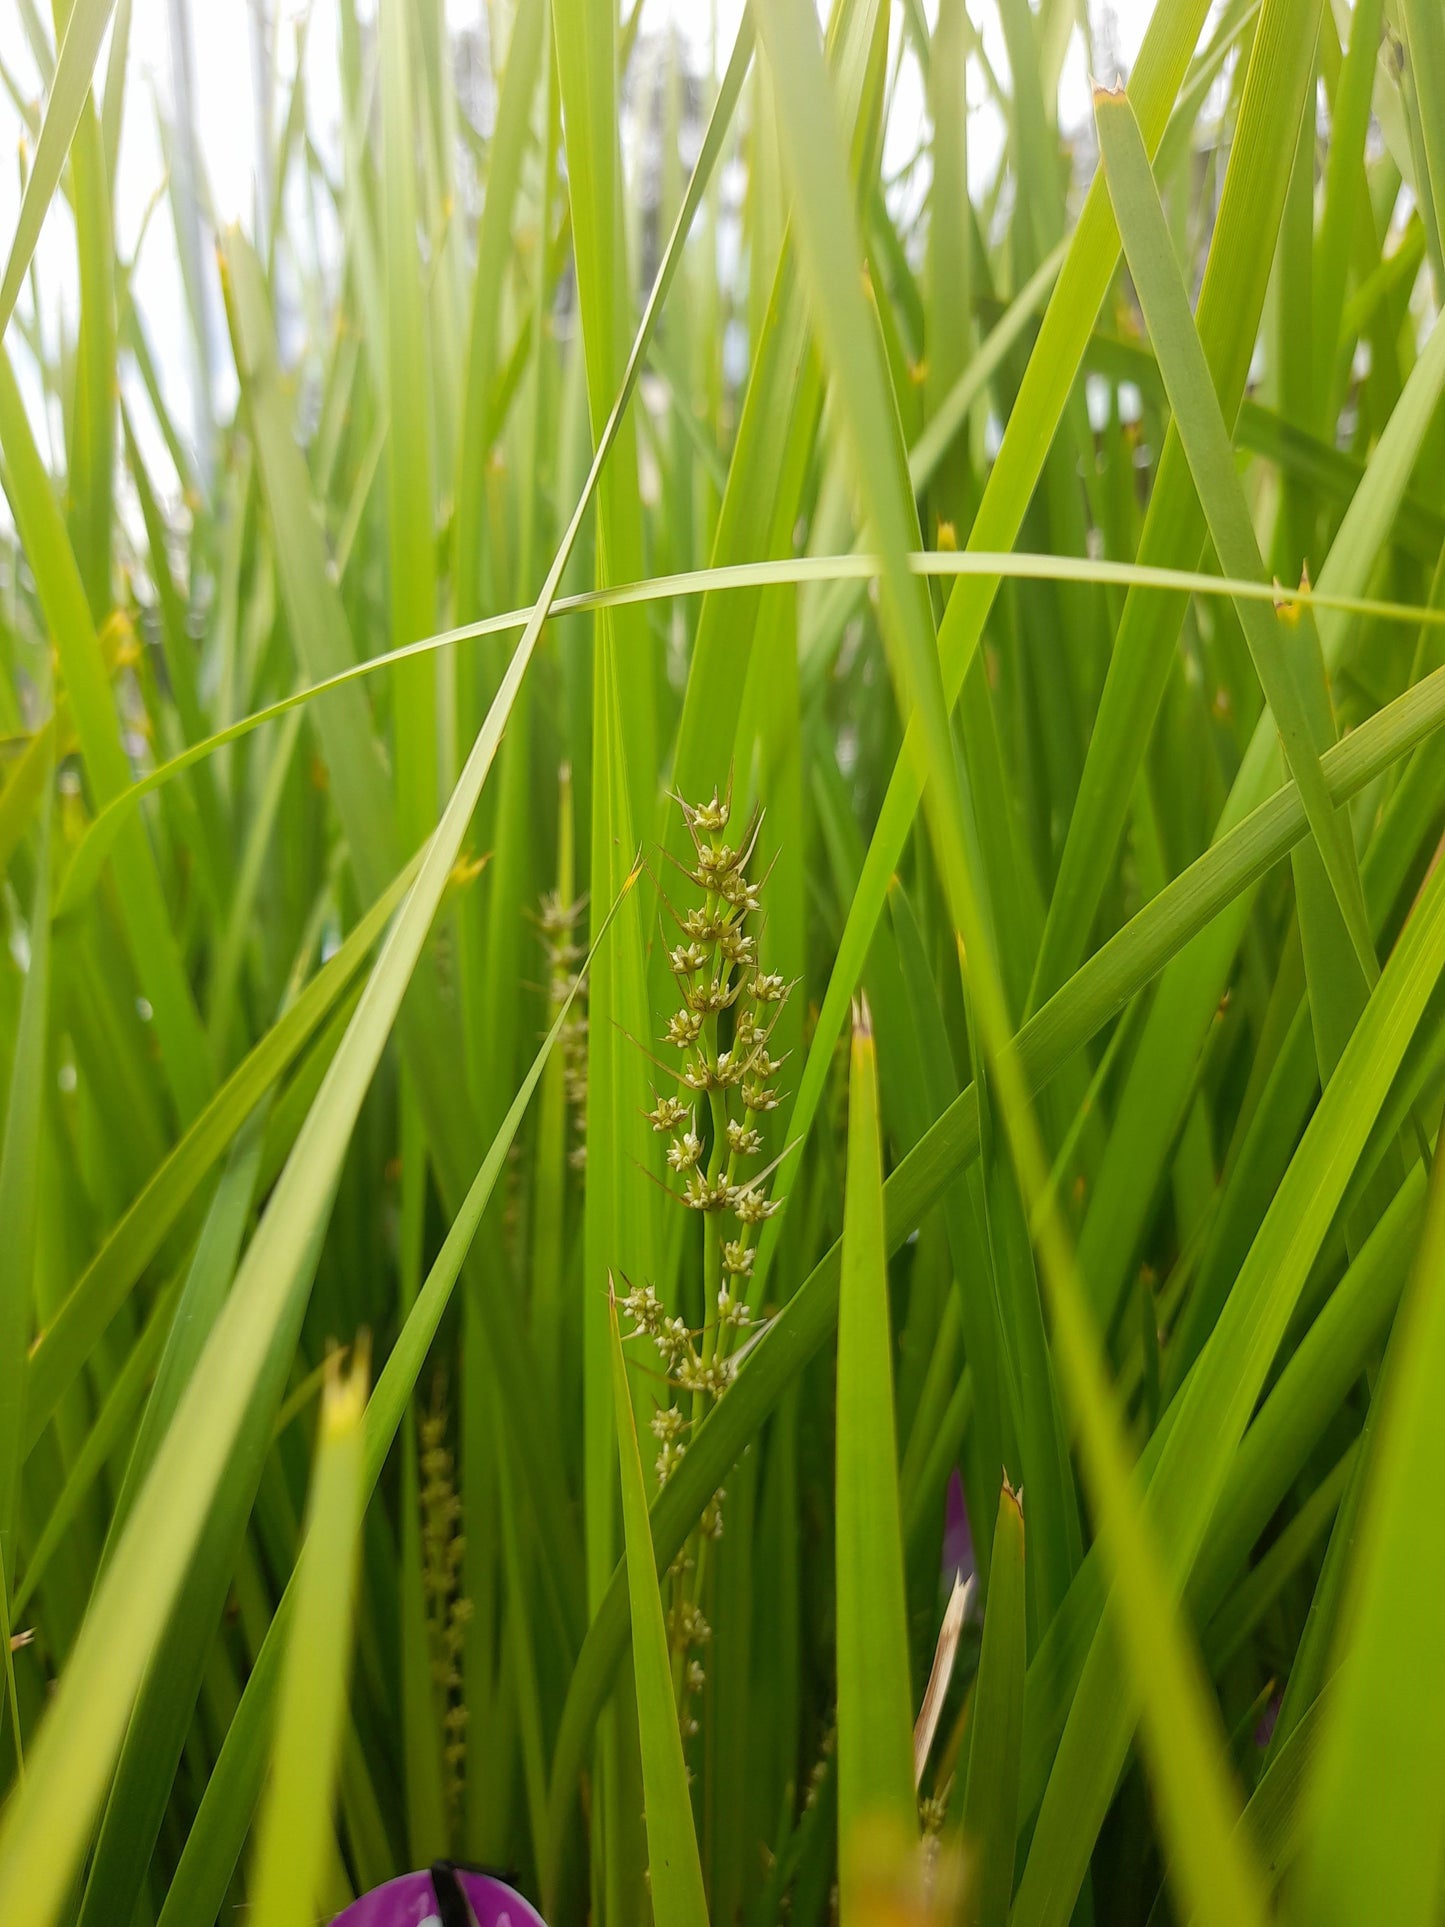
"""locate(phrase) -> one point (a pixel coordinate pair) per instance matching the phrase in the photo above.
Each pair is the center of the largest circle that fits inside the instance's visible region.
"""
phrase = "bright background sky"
(223, 45)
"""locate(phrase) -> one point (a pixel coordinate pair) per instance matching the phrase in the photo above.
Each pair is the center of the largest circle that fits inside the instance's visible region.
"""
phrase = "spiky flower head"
(712, 818)
(702, 1193)
(685, 958)
(751, 1206)
(684, 1152)
(684, 1027)
(669, 1113)
(644, 1308)
(730, 1005)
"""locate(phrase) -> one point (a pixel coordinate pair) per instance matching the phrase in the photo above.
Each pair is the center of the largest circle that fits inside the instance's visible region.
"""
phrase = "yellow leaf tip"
(343, 1393)
(1286, 602)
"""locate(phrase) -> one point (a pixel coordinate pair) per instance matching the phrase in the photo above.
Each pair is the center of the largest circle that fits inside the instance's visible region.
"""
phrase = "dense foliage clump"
(863, 1348)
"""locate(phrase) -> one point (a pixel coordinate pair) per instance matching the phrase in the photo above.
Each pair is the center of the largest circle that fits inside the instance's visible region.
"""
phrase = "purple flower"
(958, 1560)
(447, 1896)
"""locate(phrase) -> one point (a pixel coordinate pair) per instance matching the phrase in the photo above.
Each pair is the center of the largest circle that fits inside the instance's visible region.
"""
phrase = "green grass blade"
(989, 1818)
(949, 240)
(1376, 1819)
(1043, 1462)
(1286, 681)
(155, 1734)
(113, 104)
(82, 667)
(1231, 299)
(767, 471)
(875, 1702)
(1151, 1104)
(585, 43)
(1020, 565)
(1345, 201)
(510, 141)
(1220, 1394)
(1193, 1790)
(295, 1822)
(319, 629)
(70, 88)
(102, 1441)
(19, 1187)
(674, 1870)
(410, 517)
(1040, 404)
(67, 1339)
(1425, 36)
(91, 476)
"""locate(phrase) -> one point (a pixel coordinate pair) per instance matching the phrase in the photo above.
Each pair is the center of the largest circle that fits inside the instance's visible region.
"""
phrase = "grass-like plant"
(864, 1346)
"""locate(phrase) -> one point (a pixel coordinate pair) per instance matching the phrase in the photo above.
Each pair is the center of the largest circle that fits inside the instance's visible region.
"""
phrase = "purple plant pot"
(411, 1900)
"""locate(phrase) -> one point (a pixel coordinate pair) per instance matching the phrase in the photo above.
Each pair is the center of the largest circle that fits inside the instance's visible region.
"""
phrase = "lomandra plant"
(730, 1009)
(511, 1286)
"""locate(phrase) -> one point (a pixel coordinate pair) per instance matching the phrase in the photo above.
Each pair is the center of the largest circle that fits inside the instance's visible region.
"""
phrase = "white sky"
(225, 115)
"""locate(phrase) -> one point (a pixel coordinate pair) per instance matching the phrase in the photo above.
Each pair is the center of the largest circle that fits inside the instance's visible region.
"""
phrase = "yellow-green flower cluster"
(443, 1550)
(558, 923)
(722, 1031)
(729, 1007)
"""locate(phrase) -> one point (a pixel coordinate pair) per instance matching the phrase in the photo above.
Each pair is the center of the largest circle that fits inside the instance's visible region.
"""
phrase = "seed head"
(669, 1113)
(688, 1626)
(745, 1031)
(643, 1307)
(710, 817)
(738, 1258)
(684, 1152)
(751, 1206)
(736, 946)
(712, 1378)
(684, 1027)
(712, 995)
(702, 925)
(684, 958)
(734, 888)
(673, 1340)
(715, 862)
(702, 1193)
